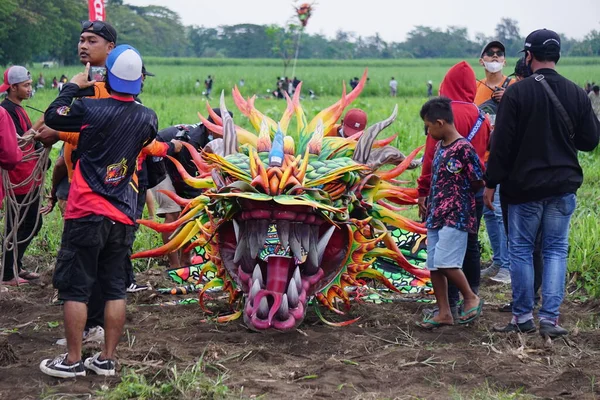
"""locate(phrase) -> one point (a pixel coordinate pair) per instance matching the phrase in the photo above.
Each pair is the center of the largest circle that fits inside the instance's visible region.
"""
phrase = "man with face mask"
(489, 93)
(493, 85)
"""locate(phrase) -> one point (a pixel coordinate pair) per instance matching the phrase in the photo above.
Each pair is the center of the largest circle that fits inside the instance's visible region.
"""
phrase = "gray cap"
(13, 75)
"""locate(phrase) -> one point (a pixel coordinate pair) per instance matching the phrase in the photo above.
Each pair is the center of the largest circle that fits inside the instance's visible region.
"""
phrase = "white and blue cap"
(124, 70)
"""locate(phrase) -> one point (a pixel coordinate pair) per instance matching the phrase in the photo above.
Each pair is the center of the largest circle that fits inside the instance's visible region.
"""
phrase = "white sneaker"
(92, 335)
(503, 276)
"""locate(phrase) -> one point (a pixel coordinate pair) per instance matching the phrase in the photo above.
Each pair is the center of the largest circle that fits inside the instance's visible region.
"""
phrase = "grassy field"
(173, 96)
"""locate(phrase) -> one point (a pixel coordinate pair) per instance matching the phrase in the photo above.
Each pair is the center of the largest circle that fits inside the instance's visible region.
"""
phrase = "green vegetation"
(191, 383)
(172, 95)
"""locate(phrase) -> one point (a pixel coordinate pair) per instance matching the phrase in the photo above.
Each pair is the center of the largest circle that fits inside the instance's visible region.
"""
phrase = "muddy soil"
(383, 355)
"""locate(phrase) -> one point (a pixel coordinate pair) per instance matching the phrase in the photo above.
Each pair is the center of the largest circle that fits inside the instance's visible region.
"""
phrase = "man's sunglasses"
(100, 27)
(490, 53)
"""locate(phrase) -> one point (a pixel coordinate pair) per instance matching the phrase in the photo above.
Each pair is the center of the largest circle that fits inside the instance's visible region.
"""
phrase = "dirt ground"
(383, 355)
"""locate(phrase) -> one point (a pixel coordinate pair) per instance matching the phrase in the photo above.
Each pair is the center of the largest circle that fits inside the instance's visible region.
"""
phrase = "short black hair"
(552, 55)
(596, 88)
(438, 108)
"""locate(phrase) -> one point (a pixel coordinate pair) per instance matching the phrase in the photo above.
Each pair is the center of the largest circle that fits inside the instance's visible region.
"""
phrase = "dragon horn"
(230, 141)
(264, 138)
(365, 143)
(215, 117)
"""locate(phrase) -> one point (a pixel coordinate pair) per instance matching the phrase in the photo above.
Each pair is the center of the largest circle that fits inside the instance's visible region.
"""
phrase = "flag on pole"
(96, 10)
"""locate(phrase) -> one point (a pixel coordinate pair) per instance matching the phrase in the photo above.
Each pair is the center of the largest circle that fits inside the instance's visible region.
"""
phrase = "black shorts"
(93, 248)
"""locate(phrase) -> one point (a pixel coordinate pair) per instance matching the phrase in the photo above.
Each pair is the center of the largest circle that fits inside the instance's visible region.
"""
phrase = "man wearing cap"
(488, 96)
(102, 202)
(96, 41)
(492, 59)
(18, 85)
(533, 156)
(354, 122)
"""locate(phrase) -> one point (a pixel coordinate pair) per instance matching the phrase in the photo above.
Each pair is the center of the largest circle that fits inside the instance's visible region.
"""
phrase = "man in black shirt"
(534, 158)
(99, 220)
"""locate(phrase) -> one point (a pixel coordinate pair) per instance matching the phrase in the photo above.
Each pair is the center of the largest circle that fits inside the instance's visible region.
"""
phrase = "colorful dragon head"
(287, 216)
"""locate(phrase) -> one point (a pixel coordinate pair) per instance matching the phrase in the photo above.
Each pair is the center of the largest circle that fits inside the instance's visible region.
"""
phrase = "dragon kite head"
(286, 217)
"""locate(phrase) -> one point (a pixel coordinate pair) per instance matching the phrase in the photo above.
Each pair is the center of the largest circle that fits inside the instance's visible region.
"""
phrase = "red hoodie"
(458, 85)
(10, 153)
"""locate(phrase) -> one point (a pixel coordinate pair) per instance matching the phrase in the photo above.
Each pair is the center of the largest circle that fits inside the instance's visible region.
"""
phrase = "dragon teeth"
(258, 234)
(284, 312)
(256, 286)
(298, 279)
(236, 229)
(323, 243)
(295, 243)
(257, 275)
(263, 308)
(283, 232)
(292, 293)
(241, 248)
(303, 231)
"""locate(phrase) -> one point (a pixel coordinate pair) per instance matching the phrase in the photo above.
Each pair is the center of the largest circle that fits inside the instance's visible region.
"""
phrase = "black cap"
(146, 72)
(100, 28)
(493, 43)
(542, 41)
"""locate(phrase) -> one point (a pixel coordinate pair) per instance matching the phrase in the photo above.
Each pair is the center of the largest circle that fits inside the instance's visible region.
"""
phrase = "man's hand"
(177, 146)
(498, 93)
(47, 209)
(81, 79)
(422, 207)
(47, 136)
(488, 198)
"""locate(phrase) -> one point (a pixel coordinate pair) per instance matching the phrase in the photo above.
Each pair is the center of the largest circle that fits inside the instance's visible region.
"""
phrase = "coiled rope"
(18, 210)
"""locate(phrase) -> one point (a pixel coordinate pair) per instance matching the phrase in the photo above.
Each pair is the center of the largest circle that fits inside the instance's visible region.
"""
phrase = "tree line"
(38, 30)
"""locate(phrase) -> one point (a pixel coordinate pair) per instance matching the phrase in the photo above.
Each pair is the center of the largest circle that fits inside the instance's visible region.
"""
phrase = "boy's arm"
(63, 116)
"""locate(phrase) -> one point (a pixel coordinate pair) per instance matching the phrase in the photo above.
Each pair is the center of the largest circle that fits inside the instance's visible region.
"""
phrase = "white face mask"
(493, 66)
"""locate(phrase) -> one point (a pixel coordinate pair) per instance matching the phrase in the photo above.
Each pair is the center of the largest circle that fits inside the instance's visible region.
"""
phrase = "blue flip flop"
(472, 318)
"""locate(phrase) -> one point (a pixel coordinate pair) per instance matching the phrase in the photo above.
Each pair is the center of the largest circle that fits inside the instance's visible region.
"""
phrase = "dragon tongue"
(278, 268)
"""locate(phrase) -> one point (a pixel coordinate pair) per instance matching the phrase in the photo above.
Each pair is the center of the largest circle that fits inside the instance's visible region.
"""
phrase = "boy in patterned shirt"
(457, 176)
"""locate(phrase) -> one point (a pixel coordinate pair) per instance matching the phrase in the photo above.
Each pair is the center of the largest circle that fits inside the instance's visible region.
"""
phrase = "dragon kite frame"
(286, 216)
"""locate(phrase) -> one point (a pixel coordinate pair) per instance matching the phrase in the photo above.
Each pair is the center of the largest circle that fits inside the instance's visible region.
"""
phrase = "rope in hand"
(18, 210)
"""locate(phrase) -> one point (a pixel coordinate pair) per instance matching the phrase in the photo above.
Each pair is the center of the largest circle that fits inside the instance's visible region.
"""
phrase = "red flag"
(96, 10)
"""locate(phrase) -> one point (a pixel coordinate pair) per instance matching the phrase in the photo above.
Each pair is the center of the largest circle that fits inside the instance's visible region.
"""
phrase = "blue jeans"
(495, 229)
(551, 216)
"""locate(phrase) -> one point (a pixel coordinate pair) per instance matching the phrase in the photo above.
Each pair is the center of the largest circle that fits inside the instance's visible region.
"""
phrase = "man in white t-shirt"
(393, 87)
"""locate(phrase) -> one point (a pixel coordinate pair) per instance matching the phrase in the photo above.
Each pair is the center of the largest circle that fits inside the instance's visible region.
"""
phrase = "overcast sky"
(394, 18)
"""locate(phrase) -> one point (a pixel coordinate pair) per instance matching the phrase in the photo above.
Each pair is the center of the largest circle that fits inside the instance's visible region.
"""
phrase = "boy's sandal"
(29, 274)
(430, 324)
(13, 282)
(477, 310)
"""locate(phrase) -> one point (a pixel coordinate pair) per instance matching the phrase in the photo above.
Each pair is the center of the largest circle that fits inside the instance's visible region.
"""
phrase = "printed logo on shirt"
(115, 173)
(454, 166)
(64, 110)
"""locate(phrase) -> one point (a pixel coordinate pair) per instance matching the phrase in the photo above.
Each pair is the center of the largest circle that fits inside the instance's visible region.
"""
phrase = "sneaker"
(490, 271)
(134, 288)
(548, 328)
(503, 276)
(59, 369)
(91, 335)
(100, 367)
(525, 327)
